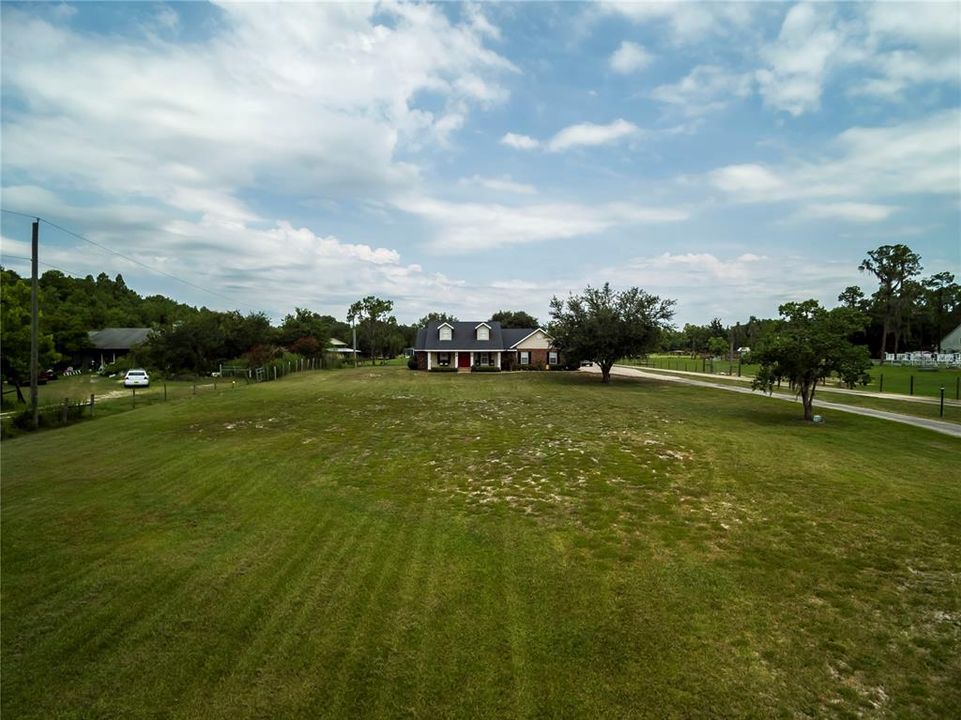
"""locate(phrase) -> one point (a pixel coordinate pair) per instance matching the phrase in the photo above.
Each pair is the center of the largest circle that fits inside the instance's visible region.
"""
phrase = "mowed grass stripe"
(396, 543)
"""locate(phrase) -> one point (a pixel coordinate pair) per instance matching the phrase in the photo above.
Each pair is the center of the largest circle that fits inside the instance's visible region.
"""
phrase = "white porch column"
(498, 354)
(472, 359)
(428, 359)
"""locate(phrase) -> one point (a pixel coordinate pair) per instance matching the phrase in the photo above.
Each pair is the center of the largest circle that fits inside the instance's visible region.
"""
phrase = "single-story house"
(464, 345)
(110, 343)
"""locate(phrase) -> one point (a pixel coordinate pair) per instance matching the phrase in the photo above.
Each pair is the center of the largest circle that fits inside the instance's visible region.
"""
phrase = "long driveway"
(940, 426)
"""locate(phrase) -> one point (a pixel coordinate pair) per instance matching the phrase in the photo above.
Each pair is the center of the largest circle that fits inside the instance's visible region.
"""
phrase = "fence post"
(91, 404)
(66, 409)
(957, 388)
(881, 384)
(942, 401)
(165, 392)
(275, 372)
(195, 388)
(134, 389)
(911, 392)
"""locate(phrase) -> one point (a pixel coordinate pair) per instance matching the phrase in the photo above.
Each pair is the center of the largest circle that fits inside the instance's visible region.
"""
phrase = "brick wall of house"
(538, 358)
(421, 360)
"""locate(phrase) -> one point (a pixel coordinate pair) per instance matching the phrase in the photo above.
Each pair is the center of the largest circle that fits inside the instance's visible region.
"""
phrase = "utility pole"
(353, 327)
(34, 323)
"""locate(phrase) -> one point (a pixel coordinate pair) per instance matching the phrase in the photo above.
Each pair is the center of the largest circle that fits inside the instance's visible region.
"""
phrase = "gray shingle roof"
(117, 338)
(513, 336)
(463, 337)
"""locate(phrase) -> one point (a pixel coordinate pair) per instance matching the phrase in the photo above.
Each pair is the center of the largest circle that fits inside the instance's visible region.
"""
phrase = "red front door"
(463, 359)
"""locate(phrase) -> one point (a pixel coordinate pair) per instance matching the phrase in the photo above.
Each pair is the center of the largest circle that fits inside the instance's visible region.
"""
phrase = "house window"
(483, 358)
(552, 357)
(445, 332)
(525, 357)
(483, 333)
(443, 359)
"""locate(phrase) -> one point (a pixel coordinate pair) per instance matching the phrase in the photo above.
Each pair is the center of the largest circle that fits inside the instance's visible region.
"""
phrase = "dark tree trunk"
(606, 372)
(807, 400)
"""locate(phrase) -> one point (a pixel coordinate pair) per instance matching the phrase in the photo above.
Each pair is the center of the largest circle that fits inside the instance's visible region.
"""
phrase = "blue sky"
(474, 157)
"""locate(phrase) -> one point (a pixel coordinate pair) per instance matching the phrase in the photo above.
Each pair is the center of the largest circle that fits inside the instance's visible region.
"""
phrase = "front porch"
(463, 360)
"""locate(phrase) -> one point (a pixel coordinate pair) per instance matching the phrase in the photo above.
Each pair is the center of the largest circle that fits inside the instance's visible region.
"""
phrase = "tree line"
(906, 311)
(187, 339)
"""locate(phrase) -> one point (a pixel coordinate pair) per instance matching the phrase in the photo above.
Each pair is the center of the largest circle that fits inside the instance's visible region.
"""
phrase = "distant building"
(951, 343)
(339, 347)
(110, 343)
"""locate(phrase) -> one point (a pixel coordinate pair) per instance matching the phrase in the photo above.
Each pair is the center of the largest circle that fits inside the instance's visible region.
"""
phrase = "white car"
(136, 378)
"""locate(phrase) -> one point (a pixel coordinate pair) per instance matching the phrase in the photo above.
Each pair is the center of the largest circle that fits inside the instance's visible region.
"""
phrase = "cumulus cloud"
(630, 57)
(895, 46)
(587, 134)
(300, 98)
(521, 142)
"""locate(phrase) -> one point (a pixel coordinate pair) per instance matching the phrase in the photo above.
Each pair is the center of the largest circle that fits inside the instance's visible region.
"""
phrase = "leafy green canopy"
(809, 344)
(515, 319)
(603, 325)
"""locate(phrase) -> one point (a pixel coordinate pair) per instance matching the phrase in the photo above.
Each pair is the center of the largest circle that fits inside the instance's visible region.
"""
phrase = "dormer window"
(483, 331)
(445, 332)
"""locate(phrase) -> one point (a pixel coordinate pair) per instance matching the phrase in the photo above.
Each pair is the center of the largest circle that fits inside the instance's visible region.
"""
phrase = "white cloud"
(749, 178)
(502, 184)
(894, 46)
(630, 57)
(733, 288)
(687, 22)
(521, 142)
(704, 89)
(300, 98)
(864, 163)
(852, 211)
(474, 227)
(798, 62)
(591, 134)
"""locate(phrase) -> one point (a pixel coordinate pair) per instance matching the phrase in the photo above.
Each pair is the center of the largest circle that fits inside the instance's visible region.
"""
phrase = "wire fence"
(71, 410)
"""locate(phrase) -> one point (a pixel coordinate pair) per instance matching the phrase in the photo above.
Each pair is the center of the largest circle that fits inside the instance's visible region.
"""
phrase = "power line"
(126, 257)
(14, 212)
(47, 265)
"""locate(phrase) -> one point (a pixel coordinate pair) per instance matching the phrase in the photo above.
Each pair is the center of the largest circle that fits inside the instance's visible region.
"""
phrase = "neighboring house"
(952, 341)
(463, 345)
(110, 343)
(339, 347)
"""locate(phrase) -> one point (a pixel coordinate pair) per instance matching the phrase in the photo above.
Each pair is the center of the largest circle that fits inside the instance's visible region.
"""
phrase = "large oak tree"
(603, 325)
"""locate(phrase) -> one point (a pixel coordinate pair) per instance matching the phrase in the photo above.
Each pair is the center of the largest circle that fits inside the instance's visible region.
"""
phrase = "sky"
(467, 158)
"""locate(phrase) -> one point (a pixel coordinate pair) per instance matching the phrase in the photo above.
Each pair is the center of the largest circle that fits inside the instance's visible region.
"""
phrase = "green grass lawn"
(381, 543)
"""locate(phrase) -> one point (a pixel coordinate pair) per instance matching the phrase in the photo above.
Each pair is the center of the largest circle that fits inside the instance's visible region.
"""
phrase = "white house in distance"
(339, 347)
(951, 343)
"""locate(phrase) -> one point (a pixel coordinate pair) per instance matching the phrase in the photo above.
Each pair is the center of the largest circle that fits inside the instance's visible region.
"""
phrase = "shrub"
(412, 362)
(485, 368)
(443, 369)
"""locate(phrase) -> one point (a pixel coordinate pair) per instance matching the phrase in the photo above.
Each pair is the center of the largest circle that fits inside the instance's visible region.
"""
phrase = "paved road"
(746, 380)
(940, 426)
